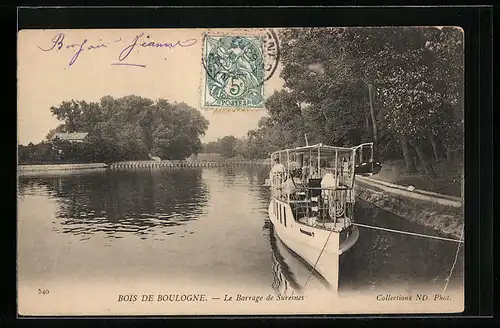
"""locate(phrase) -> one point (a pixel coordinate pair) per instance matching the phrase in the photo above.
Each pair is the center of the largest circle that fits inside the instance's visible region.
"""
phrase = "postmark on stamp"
(236, 68)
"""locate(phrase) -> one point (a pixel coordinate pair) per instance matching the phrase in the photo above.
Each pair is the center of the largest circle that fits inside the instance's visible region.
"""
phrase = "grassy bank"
(448, 180)
(445, 219)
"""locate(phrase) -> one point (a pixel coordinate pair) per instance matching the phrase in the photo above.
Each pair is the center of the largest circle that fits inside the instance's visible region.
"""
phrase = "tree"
(132, 127)
(227, 145)
(211, 147)
(241, 148)
(415, 74)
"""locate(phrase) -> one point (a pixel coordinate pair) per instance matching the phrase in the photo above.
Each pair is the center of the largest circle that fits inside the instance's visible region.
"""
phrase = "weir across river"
(184, 163)
(41, 168)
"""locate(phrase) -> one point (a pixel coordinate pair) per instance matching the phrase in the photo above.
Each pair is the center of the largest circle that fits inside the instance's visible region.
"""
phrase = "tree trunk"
(413, 155)
(410, 164)
(449, 154)
(374, 121)
(425, 161)
(435, 149)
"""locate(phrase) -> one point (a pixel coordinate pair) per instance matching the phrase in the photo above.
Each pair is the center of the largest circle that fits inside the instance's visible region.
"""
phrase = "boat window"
(284, 216)
(281, 221)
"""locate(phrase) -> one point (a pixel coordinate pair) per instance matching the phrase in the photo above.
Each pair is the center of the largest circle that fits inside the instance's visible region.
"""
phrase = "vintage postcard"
(256, 171)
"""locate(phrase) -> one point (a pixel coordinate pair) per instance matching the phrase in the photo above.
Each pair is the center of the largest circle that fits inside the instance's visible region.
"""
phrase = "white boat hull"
(320, 248)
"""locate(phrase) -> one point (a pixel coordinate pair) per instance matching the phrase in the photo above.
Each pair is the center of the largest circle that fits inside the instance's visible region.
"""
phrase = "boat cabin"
(318, 182)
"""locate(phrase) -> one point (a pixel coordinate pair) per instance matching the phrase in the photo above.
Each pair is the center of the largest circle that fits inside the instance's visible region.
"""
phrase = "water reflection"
(232, 175)
(284, 281)
(121, 202)
(290, 273)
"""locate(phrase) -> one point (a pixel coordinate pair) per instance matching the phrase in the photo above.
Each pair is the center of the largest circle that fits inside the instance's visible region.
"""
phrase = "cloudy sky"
(46, 78)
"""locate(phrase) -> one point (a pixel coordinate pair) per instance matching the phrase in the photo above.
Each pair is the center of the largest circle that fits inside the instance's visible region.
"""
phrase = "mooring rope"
(317, 260)
(410, 233)
(454, 263)
(459, 241)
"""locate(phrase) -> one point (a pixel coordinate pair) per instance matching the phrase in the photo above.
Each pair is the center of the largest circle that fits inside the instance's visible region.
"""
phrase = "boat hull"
(321, 249)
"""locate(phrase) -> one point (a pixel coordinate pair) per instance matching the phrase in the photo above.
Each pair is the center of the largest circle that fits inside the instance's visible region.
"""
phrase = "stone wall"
(445, 219)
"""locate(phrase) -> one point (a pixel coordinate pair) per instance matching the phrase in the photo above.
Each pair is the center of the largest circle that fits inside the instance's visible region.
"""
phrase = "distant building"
(71, 137)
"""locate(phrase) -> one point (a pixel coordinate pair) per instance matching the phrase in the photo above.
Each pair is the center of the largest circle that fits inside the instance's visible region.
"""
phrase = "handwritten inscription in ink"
(60, 43)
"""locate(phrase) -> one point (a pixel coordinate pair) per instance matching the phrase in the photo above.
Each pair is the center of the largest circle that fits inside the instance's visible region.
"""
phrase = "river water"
(207, 225)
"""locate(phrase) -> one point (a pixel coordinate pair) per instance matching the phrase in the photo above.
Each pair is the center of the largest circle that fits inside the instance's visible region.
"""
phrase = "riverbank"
(447, 180)
(26, 169)
(446, 219)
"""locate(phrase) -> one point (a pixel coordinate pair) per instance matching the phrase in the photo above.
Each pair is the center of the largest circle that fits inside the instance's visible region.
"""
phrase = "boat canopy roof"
(323, 150)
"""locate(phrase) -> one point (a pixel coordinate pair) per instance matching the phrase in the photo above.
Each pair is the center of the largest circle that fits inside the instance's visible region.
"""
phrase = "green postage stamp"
(234, 72)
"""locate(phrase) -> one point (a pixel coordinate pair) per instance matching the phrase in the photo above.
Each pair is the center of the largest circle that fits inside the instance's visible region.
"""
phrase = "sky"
(47, 76)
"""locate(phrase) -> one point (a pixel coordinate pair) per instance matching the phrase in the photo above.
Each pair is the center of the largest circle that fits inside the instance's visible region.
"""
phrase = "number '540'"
(43, 291)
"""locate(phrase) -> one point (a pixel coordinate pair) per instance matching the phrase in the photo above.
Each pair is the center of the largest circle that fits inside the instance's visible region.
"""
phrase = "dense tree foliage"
(224, 146)
(127, 128)
(416, 75)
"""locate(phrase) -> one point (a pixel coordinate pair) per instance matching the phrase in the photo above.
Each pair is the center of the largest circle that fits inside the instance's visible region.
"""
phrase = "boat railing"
(333, 209)
(365, 162)
(318, 181)
(322, 207)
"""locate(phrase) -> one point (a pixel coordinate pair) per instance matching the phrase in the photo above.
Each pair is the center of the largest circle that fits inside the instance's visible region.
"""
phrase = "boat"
(312, 202)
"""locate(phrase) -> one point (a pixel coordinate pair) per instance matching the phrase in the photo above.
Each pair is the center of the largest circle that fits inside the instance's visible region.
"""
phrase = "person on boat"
(328, 184)
(289, 187)
(278, 167)
(277, 175)
(305, 174)
(346, 171)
